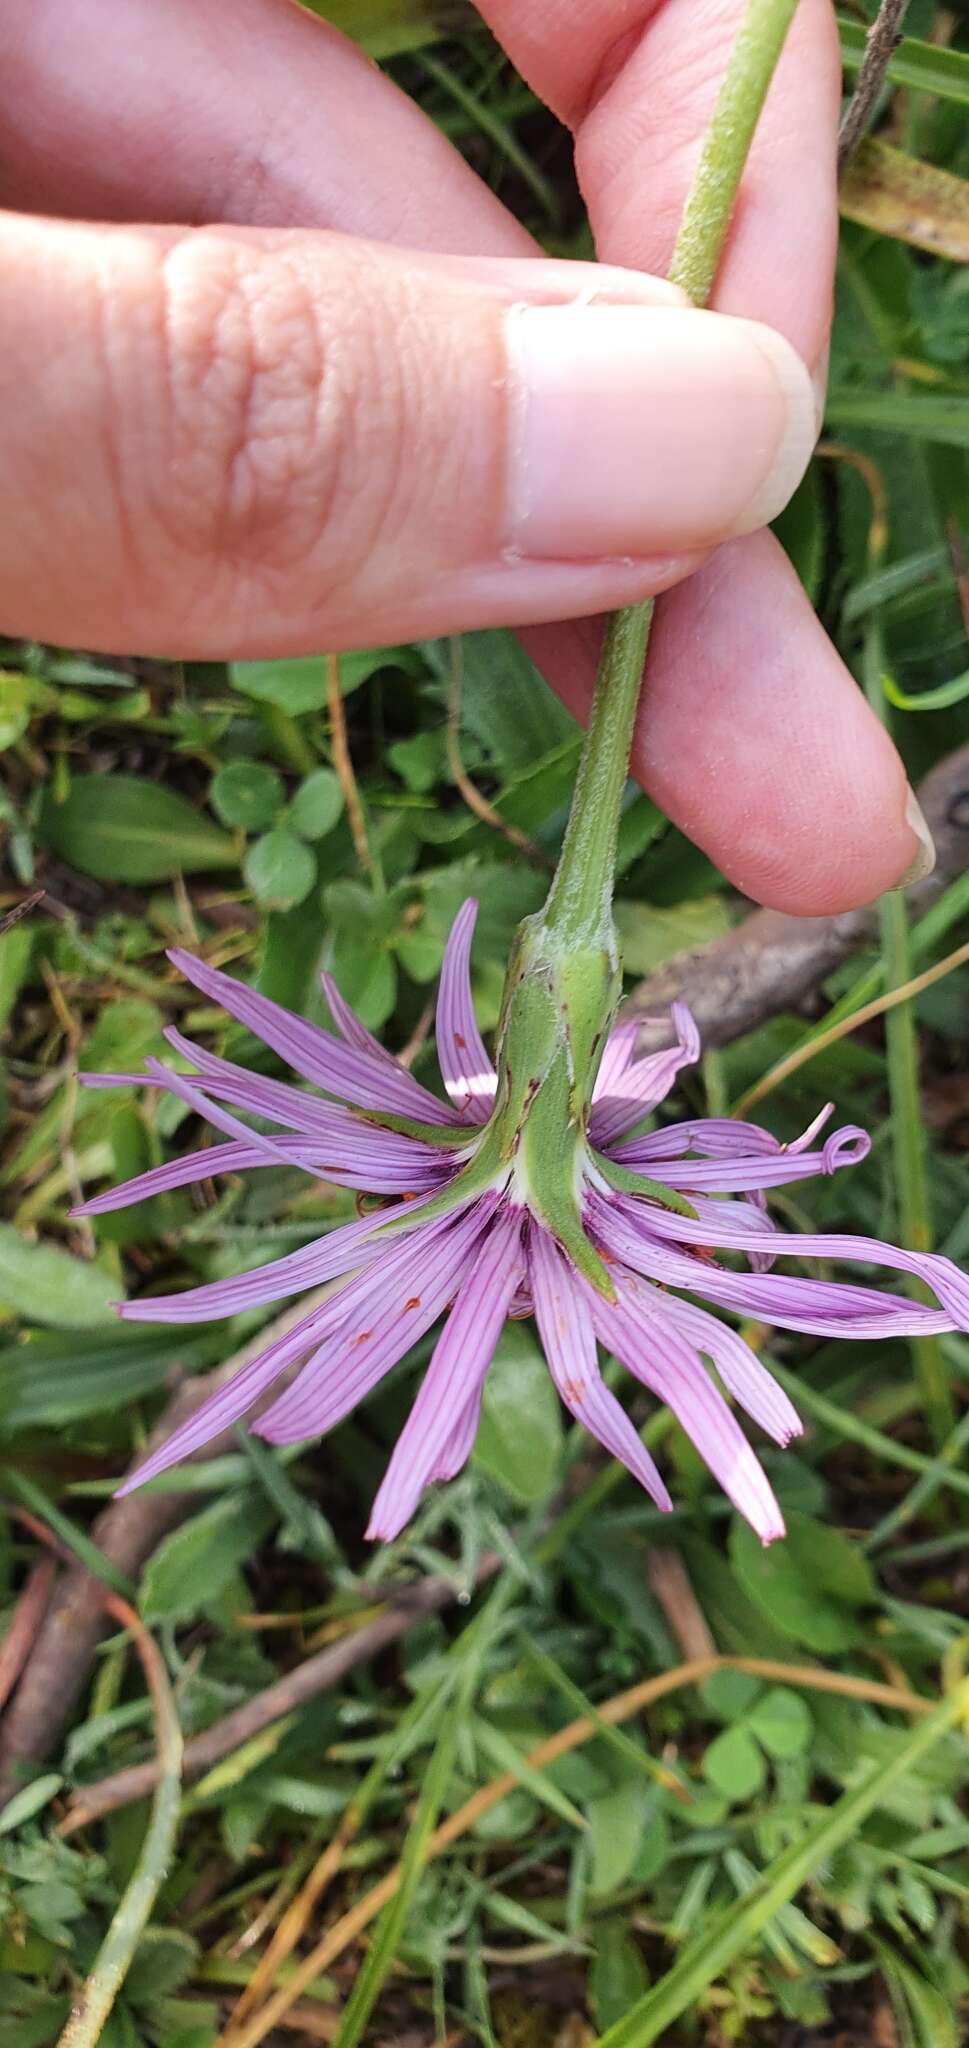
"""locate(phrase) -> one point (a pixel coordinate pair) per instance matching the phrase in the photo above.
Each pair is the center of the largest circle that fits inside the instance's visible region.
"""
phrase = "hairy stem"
(581, 893)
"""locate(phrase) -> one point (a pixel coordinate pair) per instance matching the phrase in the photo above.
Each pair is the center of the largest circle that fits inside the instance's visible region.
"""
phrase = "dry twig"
(880, 44)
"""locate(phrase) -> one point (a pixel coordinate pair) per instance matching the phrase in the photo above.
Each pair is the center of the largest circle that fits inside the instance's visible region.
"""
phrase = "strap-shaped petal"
(466, 1070)
(451, 1388)
(568, 1340)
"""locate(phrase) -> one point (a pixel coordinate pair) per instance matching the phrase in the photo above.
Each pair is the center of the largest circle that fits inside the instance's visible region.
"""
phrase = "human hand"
(241, 441)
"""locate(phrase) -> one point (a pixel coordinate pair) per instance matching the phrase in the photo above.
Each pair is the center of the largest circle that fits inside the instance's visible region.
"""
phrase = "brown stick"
(880, 44)
(766, 964)
(313, 1676)
(771, 962)
(25, 1621)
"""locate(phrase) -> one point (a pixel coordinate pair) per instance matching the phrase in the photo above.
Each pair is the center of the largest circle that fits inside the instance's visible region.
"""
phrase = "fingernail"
(636, 431)
(923, 859)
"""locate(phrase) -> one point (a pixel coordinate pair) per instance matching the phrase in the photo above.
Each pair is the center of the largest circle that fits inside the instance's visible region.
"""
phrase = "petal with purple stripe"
(466, 1070)
(396, 1310)
(568, 1341)
(231, 1402)
(740, 1369)
(336, 1068)
(645, 1084)
(820, 1307)
(451, 1389)
(350, 1245)
(946, 1281)
(671, 1369)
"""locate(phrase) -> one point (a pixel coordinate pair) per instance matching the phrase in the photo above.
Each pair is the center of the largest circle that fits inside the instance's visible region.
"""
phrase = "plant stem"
(580, 898)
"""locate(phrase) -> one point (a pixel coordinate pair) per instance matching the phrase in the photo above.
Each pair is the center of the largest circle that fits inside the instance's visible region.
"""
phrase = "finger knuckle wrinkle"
(261, 404)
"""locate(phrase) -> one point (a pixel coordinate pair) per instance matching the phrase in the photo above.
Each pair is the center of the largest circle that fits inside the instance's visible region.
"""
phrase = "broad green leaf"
(248, 794)
(191, 1567)
(733, 1765)
(16, 948)
(728, 1694)
(280, 869)
(781, 1721)
(650, 934)
(20, 695)
(44, 1284)
(519, 1437)
(617, 1976)
(120, 828)
(317, 804)
(294, 686)
(616, 1821)
(164, 1962)
(806, 1585)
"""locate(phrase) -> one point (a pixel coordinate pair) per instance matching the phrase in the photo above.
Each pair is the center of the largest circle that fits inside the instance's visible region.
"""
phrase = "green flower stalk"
(565, 973)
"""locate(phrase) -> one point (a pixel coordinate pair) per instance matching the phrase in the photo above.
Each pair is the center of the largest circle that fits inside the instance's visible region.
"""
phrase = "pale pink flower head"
(445, 1246)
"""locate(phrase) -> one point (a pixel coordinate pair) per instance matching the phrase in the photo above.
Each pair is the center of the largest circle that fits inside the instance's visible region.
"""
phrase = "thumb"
(229, 441)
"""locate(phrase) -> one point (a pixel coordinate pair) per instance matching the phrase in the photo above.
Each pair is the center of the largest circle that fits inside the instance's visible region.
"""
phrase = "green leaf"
(806, 1585)
(317, 805)
(164, 1961)
(924, 2014)
(801, 532)
(505, 703)
(248, 794)
(649, 934)
(733, 1765)
(293, 686)
(781, 1721)
(617, 1974)
(519, 1437)
(118, 827)
(938, 416)
(726, 1938)
(29, 1801)
(728, 1694)
(16, 949)
(46, 1285)
(941, 699)
(616, 1821)
(20, 695)
(279, 869)
(48, 1381)
(929, 67)
(193, 1565)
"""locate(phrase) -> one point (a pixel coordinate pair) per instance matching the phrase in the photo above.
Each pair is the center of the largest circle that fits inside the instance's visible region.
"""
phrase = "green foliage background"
(750, 1859)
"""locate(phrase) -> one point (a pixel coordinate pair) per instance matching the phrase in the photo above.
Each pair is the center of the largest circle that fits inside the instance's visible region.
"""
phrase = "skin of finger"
(271, 441)
(798, 812)
(253, 165)
(243, 111)
(637, 81)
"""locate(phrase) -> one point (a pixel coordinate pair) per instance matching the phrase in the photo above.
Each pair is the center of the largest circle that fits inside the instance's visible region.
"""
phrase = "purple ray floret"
(474, 1251)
